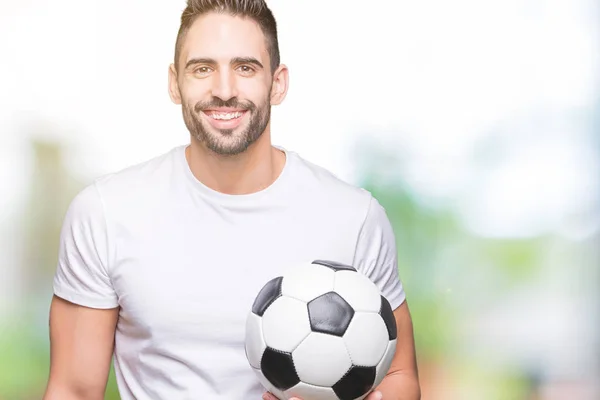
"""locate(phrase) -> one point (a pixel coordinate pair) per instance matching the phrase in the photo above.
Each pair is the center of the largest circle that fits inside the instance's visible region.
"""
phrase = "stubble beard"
(227, 142)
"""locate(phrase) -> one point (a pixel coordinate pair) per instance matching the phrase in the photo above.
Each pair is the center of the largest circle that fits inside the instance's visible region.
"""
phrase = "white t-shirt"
(184, 264)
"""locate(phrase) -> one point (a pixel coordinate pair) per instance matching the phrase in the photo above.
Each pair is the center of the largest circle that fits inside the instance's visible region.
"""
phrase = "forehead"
(223, 37)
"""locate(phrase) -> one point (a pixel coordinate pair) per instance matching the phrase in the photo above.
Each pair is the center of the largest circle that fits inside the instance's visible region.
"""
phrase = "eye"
(246, 69)
(203, 70)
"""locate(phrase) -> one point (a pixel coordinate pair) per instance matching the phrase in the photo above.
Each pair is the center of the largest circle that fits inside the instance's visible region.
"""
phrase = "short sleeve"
(82, 271)
(376, 254)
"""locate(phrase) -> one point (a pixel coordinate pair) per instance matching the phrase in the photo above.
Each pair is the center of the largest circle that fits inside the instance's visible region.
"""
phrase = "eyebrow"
(236, 60)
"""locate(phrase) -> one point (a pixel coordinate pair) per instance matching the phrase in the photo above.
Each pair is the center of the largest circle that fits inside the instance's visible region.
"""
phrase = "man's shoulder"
(129, 188)
(147, 174)
(324, 183)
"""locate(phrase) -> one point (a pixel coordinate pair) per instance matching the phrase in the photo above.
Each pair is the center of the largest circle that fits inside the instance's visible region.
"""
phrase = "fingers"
(269, 396)
(373, 396)
(376, 395)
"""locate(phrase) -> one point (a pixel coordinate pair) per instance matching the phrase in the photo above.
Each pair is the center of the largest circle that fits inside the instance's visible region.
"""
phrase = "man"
(159, 263)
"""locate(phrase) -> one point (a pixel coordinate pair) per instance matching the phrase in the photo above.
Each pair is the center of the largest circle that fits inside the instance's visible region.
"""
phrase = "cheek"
(254, 90)
(195, 90)
(258, 95)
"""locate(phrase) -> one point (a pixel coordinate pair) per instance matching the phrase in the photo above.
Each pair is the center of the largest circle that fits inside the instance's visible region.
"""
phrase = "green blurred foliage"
(448, 270)
(25, 361)
(418, 234)
(112, 391)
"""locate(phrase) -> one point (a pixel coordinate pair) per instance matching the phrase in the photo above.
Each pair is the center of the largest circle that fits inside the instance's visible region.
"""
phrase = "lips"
(225, 118)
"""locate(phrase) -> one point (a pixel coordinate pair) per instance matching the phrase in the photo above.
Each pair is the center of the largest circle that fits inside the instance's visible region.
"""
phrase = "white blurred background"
(475, 123)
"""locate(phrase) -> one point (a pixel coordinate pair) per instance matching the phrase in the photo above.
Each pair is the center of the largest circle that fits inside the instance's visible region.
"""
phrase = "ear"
(280, 85)
(174, 92)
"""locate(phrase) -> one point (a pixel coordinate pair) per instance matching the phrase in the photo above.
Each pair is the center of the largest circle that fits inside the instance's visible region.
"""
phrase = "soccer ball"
(321, 331)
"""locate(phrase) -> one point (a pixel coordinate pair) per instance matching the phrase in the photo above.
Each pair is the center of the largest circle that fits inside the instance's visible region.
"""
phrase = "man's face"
(224, 82)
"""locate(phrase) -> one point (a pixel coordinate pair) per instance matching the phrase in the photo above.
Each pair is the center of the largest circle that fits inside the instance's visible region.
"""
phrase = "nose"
(224, 85)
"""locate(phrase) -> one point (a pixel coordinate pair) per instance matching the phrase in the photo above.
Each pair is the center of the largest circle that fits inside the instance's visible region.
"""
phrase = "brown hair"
(256, 10)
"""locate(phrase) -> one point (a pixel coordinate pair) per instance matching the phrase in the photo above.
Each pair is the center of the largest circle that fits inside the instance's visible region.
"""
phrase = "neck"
(251, 171)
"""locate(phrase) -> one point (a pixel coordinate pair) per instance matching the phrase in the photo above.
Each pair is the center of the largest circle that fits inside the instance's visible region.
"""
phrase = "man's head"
(226, 73)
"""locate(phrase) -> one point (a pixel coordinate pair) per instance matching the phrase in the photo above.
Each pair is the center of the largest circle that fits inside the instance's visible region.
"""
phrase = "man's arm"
(402, 380)
(81, 348)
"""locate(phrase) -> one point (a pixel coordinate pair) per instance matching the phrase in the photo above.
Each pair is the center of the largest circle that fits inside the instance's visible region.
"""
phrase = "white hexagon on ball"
(255, 343)
(285, 324)
(366, 339)
(307, 281)
(358, 290)
(386, 362)
(321, 359)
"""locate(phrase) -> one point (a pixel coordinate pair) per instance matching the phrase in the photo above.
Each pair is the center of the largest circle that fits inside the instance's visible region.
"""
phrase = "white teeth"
(226, 116)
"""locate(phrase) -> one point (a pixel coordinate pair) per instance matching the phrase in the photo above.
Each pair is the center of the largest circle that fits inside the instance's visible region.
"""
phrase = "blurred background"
(476, 123)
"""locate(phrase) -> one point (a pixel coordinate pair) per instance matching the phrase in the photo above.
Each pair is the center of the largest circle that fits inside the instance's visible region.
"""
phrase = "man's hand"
(376, 395)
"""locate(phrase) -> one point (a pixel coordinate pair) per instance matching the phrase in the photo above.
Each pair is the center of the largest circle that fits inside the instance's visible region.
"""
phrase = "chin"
(226, 144)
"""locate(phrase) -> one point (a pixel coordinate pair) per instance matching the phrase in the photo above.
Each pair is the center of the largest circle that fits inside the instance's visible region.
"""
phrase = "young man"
(159, 263)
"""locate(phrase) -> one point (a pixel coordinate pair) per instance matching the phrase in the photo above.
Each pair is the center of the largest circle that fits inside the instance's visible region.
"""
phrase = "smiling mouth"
(224, 116)
(225, 119)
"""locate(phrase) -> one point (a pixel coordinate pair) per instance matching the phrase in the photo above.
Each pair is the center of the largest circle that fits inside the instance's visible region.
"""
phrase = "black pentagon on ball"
(356, 382)
(267, 295)
(330, 313)
(278, 368)
(388, 317)
(336, 266)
